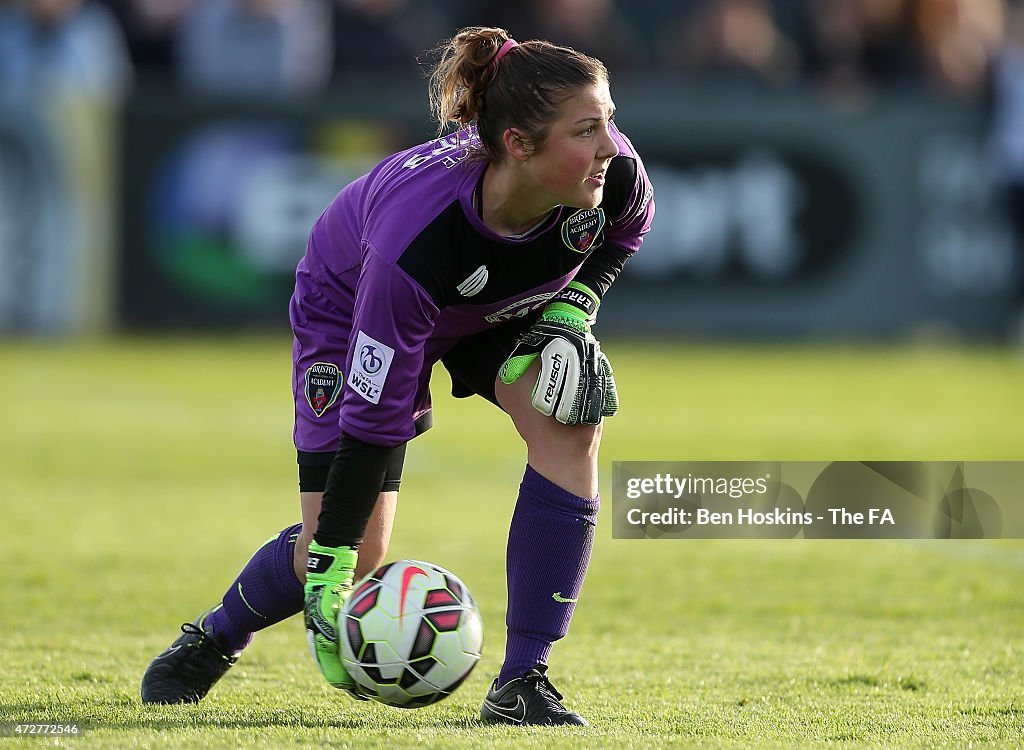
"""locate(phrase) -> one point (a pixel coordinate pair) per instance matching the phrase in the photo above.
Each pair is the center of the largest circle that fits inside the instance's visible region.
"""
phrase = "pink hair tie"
(504, 50)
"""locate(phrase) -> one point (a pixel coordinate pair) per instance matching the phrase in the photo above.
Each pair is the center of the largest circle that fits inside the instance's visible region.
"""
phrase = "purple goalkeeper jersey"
(409, 268)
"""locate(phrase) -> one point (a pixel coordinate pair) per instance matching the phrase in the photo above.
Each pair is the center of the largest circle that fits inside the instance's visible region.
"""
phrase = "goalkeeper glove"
(329, 575)
(575, 384)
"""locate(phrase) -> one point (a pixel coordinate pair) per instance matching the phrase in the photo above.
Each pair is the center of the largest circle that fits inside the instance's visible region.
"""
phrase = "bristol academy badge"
(580, 231)
(323, 383)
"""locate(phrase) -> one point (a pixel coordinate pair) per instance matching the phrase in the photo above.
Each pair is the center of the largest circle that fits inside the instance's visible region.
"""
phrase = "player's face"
(572, 163)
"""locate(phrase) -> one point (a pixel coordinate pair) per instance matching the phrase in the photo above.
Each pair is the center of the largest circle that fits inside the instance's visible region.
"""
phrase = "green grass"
(136, 477)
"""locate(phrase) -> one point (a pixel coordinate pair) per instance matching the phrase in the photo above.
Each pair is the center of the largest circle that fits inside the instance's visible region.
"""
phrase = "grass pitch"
(136, 477)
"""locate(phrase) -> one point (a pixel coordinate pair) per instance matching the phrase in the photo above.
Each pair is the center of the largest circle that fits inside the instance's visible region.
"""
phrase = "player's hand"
(575, 384)
(329, 574)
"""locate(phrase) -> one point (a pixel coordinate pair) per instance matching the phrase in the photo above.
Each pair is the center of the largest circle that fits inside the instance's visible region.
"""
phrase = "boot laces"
(190, 628)
(543, 686)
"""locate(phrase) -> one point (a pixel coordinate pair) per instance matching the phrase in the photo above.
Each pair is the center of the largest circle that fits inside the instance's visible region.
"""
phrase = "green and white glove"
(329, 574)
(575, 384)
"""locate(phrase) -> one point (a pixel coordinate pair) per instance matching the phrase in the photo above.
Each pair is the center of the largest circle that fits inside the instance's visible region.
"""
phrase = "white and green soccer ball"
(410, 634)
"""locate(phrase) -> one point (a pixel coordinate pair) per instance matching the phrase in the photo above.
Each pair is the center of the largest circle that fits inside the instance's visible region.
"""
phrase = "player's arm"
(392, 319)
(629, 203)
(576, 384)
(353, 483)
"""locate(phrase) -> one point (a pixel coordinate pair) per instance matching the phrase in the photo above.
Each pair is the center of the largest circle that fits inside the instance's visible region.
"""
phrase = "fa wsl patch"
(580, 231)
(323, 384)
(370, 367)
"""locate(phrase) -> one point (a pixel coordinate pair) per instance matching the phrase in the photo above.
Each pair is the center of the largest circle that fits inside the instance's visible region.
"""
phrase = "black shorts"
(473, 363)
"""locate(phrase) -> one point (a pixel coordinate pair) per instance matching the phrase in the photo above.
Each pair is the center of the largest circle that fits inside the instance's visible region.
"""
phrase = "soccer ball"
(410, 633)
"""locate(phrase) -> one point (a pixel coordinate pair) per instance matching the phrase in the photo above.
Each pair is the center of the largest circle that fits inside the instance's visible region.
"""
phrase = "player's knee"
(585, 439)
(568, 443)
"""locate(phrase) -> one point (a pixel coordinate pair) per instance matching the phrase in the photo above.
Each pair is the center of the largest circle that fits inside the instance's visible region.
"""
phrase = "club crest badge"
(323, 383)
(581, 230)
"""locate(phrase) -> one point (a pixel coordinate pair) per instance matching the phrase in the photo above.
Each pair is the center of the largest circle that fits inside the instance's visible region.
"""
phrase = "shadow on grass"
(353, 723)
(869, 681)
(128, 713)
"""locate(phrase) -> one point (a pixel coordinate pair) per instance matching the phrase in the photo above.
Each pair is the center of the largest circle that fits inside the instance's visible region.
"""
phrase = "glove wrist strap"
(576, 301)
(330, 564)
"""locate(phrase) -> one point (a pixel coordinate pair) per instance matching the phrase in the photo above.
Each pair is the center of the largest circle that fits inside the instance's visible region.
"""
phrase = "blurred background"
(838, 169)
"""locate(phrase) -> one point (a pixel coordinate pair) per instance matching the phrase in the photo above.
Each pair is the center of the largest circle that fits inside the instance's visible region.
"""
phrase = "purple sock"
(265, 592)
(549, 546)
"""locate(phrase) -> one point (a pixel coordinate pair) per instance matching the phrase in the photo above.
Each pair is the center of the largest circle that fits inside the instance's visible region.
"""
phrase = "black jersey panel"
(456, 265)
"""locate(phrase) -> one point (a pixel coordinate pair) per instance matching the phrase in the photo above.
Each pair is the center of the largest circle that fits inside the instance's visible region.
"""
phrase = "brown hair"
(523, 90)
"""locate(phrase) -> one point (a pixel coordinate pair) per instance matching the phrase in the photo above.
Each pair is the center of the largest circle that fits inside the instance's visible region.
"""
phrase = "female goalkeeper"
(488, 249)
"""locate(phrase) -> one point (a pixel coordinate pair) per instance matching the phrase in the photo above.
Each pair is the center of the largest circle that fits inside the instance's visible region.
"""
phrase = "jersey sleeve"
(629, 199)
(392, 320)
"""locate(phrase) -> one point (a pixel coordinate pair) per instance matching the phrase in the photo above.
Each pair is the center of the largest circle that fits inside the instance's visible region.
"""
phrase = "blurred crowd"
(307, 46)
(845, 50)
